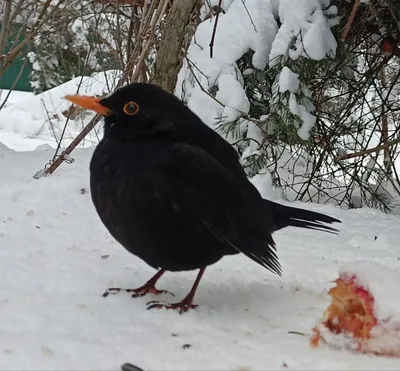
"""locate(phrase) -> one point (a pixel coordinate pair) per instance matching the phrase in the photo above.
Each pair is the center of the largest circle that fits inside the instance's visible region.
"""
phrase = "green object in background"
(21, 62)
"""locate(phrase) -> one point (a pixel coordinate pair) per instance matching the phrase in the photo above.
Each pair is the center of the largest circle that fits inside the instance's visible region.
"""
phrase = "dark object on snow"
(130, 367)
(173, 192)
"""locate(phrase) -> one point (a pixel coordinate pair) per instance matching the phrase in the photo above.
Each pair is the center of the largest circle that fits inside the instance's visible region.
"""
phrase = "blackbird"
(173, 192)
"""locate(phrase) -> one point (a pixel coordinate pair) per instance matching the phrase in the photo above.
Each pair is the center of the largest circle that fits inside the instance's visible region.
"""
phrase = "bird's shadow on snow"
(272, 301)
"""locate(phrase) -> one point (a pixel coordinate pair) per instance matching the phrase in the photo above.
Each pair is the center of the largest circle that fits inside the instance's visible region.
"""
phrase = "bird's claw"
(182, 306)
(139, 292)
(142, 291)
(112, 291)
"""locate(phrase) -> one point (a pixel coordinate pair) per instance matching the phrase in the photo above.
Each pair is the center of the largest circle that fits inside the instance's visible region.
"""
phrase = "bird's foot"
(144, 290)
(141, 291)
(182, 306)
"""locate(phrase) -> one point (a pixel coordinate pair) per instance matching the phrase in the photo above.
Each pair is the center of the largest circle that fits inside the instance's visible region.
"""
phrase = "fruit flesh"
(350, 312)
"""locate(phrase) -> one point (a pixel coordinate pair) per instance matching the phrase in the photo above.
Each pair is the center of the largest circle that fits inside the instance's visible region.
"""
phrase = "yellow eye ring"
(131, 108)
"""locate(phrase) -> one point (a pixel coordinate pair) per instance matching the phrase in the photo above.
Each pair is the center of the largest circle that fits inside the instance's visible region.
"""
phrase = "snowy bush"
(290, 98)
(81, 38)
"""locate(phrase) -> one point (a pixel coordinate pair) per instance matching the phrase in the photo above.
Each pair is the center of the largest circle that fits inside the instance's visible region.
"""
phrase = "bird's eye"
(131, 108)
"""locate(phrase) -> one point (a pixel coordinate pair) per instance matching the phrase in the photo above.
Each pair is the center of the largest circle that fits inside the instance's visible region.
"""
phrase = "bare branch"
(5, 25)
(211, 45)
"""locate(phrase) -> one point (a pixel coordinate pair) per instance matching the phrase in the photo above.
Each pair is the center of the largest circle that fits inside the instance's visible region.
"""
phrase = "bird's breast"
(123, 177)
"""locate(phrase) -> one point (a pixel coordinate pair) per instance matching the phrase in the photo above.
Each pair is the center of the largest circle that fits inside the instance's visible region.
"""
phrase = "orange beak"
(91, 103)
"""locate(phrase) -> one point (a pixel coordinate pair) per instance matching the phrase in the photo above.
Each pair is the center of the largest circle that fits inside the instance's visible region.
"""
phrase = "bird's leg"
(185, 304)
(148, 288)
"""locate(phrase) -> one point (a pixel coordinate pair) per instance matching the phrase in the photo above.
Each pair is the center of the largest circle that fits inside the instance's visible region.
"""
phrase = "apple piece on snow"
(364, 313)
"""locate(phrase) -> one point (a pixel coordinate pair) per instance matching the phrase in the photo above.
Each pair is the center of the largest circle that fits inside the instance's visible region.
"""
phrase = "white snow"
(304, 32)
(14, 96)
(263, 182)
(232, 95)
(288, 80)
(57, 259)
(80, 31)
(254, 29)
(38, 119)
(308, 120)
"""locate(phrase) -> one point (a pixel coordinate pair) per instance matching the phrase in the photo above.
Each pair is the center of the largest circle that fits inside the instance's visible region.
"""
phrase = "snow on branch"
(264, 44)
(254, 29)
(304, 33)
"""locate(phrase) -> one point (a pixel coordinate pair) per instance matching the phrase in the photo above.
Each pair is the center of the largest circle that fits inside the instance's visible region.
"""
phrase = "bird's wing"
(202, 187)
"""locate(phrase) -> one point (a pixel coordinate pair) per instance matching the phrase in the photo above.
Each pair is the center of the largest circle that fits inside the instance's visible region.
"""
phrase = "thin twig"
(248, 13)
(350, 20)
(14, 52)
(14, 84)
(368, 151)
(161, 10)
(211, 45)
(64, 155)
(5, 25)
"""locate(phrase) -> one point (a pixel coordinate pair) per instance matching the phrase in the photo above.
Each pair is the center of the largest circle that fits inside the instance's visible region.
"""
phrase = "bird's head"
(138, 109)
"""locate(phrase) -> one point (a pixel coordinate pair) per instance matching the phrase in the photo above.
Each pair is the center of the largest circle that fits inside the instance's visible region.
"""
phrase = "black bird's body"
(172, 191)
(142, 206)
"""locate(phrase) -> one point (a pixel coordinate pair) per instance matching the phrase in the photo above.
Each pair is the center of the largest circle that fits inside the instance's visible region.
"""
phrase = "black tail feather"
(286, 216)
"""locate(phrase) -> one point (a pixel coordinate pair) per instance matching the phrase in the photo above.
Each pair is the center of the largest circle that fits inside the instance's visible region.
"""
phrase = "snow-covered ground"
(28, 121)
(57, 259)
(13, 96)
